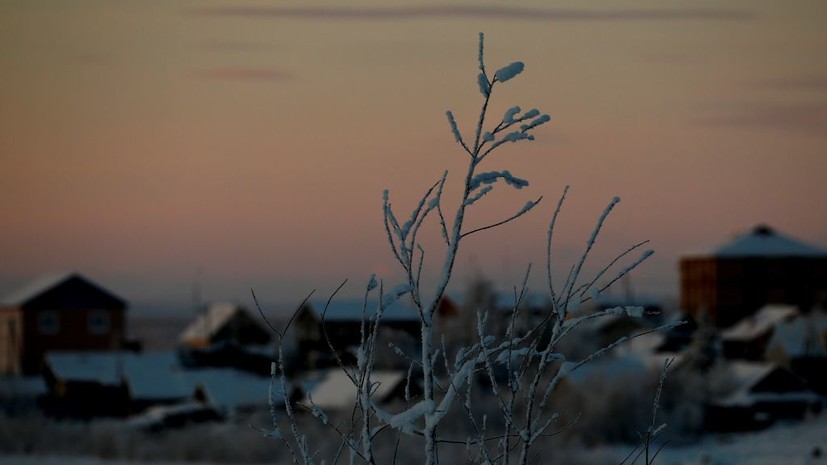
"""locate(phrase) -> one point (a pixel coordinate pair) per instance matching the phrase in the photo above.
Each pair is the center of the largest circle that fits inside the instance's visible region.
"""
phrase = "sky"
(162, 146)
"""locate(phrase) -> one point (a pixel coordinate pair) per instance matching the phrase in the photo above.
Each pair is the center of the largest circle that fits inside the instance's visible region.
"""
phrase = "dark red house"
(57, 312)
(754, 269)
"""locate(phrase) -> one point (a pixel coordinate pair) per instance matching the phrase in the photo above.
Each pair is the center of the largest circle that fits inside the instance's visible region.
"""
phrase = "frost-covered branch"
(585, 288)
(522, 366)
(568, 287)
(654, 431)
(526, 208)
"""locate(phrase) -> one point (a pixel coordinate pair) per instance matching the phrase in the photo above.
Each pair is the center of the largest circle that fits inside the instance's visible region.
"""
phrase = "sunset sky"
(152, 144)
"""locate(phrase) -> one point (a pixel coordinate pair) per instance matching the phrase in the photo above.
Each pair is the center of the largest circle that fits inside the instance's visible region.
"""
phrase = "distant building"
(341, 325)
(57, 312)
(227, 335)
(92, 384)
(224, 323)
(754, 269)
(759, 394)
(801, 345)
(749, 338)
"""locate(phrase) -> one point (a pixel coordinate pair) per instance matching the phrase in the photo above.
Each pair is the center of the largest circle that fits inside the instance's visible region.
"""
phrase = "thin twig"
(500, 223)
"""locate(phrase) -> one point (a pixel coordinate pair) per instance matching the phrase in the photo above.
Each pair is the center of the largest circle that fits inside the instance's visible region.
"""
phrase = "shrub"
(522, 369)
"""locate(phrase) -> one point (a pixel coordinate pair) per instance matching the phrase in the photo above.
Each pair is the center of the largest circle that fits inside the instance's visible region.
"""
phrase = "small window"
(48, 322)
(98, 322)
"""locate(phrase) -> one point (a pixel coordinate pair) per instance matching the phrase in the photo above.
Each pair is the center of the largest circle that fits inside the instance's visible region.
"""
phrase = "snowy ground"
(783, 444)
(40, 460)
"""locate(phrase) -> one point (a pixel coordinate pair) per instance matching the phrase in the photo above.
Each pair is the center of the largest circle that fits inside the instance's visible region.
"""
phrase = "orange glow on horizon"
(143, 142)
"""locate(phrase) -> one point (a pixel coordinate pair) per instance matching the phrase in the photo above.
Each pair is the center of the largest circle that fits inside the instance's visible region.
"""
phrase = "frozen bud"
(510, 113)
(485, 87)
(507, 72)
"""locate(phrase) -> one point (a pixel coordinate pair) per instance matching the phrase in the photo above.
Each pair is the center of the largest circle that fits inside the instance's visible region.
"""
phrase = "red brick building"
(57, 312)
(754, 269)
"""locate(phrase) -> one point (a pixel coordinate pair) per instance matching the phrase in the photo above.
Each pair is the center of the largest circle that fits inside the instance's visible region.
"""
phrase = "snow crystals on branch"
(405, 421)
(454, 128)
(394, 295)
(523, 367)
(491, 177)
(508, 72)
(485, 86)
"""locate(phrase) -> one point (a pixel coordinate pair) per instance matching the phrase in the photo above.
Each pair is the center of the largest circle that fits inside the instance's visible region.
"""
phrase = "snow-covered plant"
(532, 365)
(649, 438)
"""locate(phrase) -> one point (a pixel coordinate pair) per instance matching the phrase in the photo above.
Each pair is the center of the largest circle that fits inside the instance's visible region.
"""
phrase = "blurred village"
(752, 351)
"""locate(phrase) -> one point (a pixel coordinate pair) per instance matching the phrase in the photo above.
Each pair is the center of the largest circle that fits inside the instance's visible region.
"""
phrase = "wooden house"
(801, 345)
(754, 269)
(224, 323)
(58, 312)
(749, 338)
(341, 322)
(802, 336)
(227, 335)
(759, 394)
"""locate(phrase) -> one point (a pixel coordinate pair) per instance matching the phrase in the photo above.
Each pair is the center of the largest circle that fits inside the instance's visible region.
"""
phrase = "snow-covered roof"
(159, 375)
(229, 389)
(746, 399)
(15, 387)
(763, 241)
(156, 414)
(351, 310)
(44, 283)
(761, 323)
(628, 364)
(210, 321)
(747, 375)
(34, 288)
(804, 335)
(533, 300)
(332, 389)
(150, 375)
(635, 300)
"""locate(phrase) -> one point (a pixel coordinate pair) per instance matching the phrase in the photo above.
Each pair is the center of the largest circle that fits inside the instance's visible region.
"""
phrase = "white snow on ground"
(57, 460)
(782, 444)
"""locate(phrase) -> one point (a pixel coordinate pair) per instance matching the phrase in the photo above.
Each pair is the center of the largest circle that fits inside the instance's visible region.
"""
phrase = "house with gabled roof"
(58, 312)
(340, 322)
(227, 335)
(802, 336)
(801, 345)
(223, 323)
(756, 268)
(749, 338)
(758, 395)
